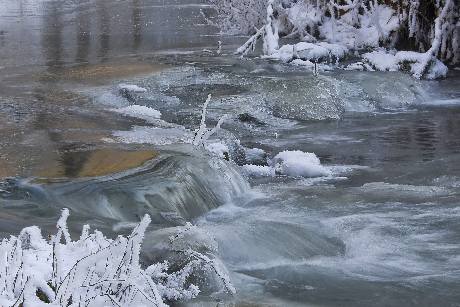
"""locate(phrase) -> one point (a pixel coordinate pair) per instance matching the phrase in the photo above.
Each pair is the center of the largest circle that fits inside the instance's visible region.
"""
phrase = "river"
(382, 229)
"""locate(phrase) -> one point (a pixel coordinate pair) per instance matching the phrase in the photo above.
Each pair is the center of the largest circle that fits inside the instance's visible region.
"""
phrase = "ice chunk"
(131, 88)
(141, 112)
(153, 135)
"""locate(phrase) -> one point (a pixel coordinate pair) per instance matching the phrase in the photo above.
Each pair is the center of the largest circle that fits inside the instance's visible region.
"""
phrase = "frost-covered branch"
(203, 133)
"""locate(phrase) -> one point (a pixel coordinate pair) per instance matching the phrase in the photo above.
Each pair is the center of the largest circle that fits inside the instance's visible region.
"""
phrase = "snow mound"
(289, 163)
(141, 112)
(316, 52)
(418, 64)
(299, 164)
(382, 60)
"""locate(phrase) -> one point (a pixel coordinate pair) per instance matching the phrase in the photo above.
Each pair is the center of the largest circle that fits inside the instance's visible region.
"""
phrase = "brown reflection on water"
(50, 48)
(99, 74)
(95, 163)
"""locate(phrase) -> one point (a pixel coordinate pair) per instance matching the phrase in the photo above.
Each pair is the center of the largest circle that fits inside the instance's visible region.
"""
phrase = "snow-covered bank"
(331, 30)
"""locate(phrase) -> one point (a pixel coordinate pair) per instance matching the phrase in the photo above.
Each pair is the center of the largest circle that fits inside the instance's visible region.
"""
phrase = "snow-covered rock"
(289, 163)
(299, 164)
(219, 149)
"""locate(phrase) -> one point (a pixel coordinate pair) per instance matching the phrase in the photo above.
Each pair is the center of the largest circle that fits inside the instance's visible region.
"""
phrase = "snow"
(436, 70)
(299, 164)
(289, 163)
(132, 88)
(97, 271)
(382, 60)
(315, 52)
(258, 170)
(335, 50)
(417, 61)
(219, 149)
(361, 66)
(142, 112)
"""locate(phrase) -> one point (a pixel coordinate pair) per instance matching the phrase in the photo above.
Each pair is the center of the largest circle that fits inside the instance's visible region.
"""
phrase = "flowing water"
(383, 229)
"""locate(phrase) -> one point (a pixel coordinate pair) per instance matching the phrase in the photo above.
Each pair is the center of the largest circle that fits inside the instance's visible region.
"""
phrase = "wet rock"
(249, 119)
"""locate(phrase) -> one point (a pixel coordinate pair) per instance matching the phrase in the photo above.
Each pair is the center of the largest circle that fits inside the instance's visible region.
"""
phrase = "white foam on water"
(405, 189)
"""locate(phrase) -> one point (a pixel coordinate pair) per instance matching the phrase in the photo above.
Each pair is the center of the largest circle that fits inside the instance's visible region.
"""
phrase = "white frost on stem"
(203, 133)
(93, 271)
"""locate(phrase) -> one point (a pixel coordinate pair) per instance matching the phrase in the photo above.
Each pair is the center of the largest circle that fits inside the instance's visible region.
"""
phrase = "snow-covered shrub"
(92, 271)
(430, 28)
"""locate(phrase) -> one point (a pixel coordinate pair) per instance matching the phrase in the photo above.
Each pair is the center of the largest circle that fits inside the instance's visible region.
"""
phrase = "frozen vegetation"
(420, 36)
(98, 271)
